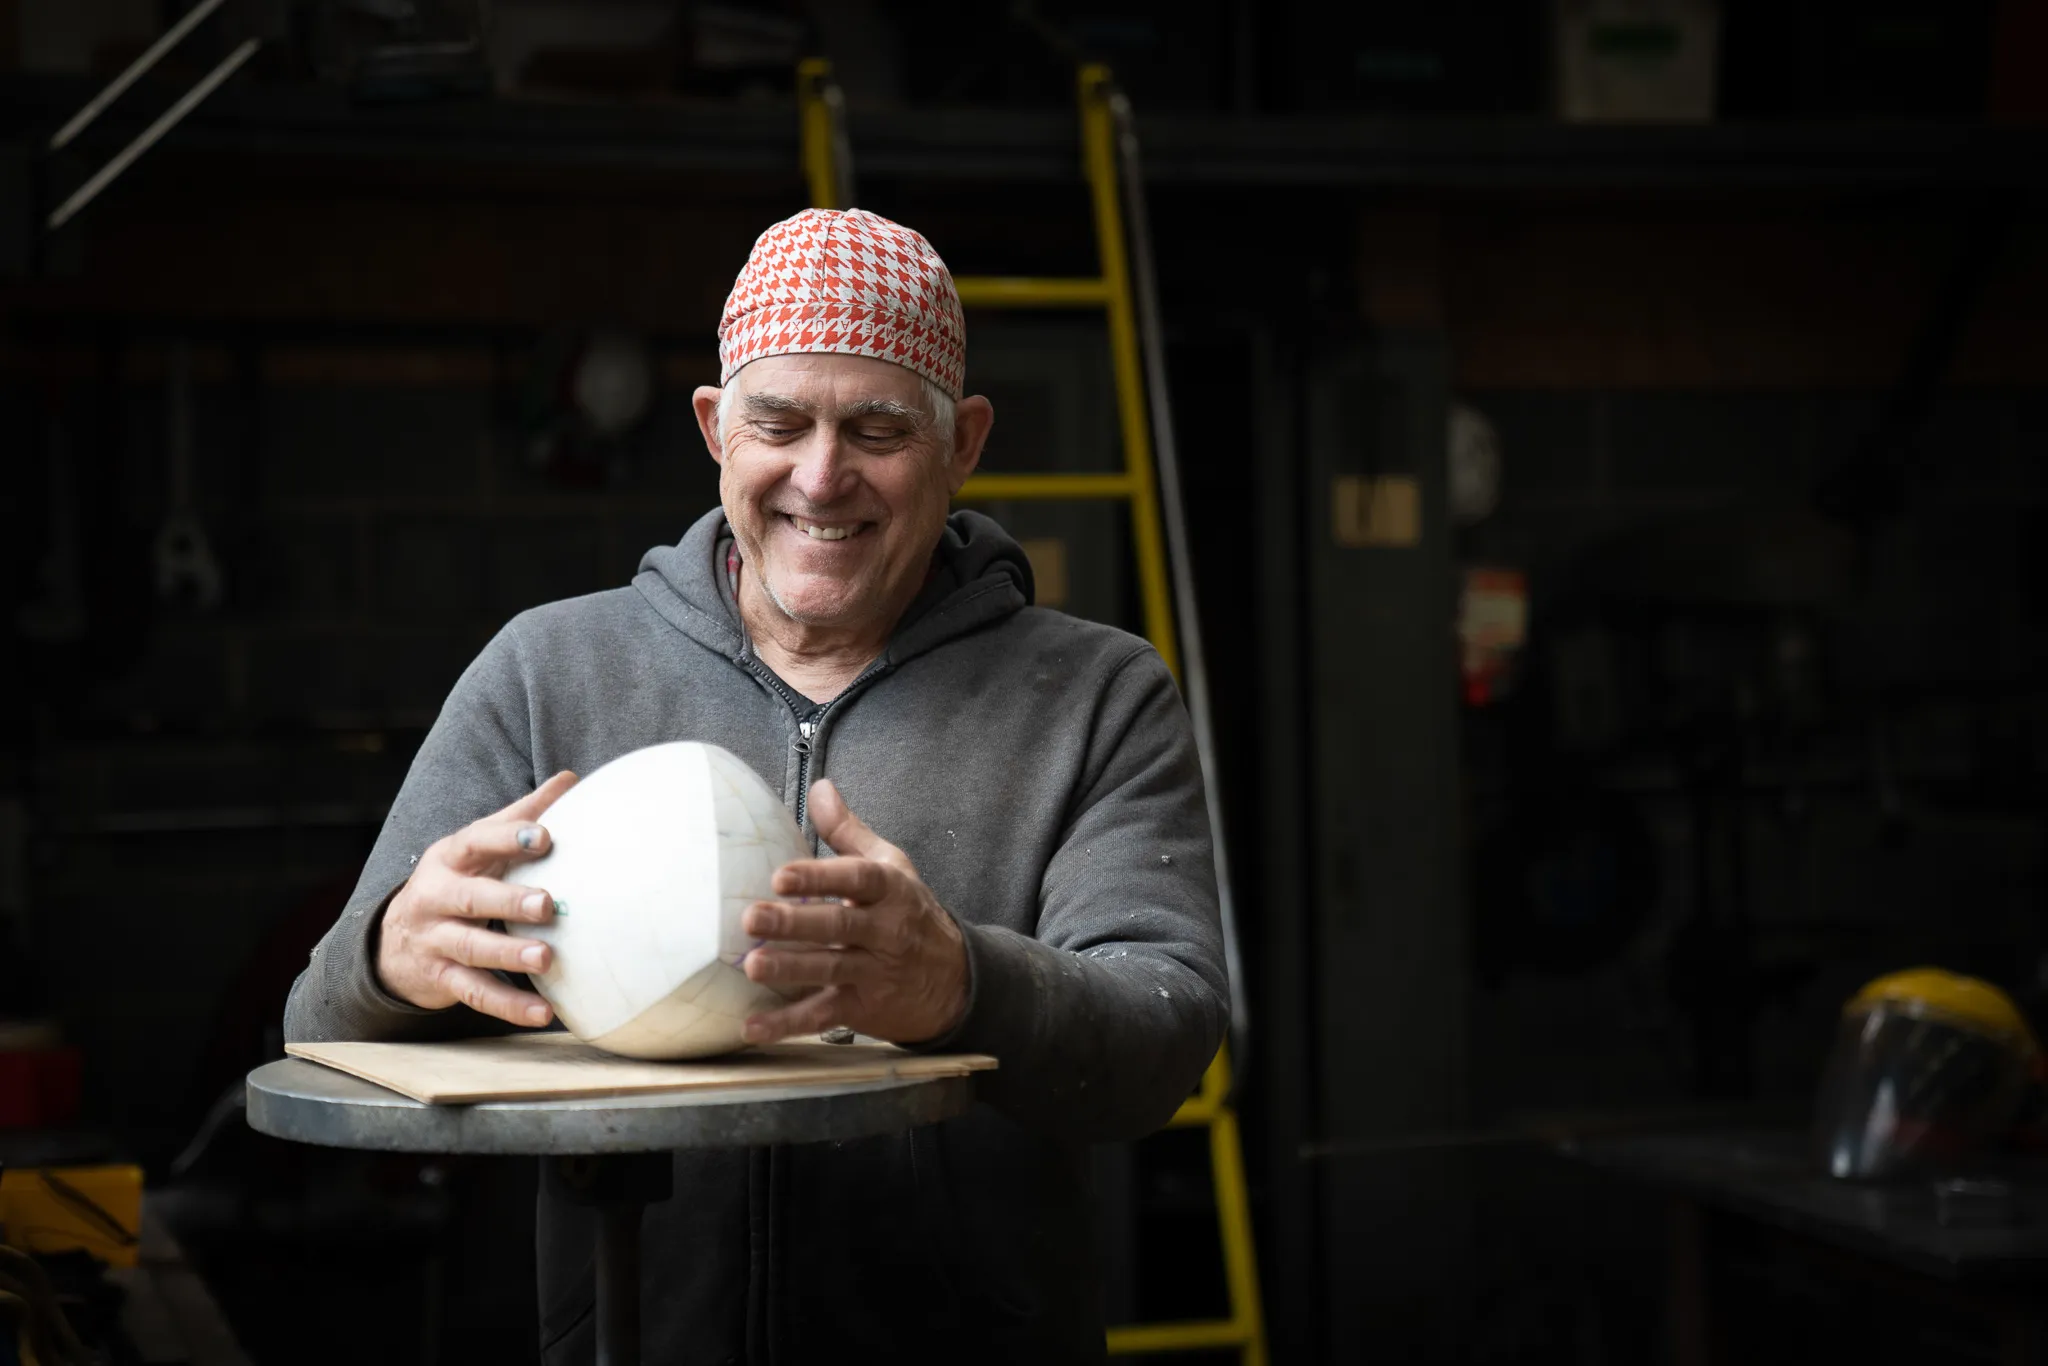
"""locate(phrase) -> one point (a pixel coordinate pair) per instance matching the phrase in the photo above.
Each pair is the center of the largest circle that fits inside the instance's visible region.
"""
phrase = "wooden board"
(559, 1066)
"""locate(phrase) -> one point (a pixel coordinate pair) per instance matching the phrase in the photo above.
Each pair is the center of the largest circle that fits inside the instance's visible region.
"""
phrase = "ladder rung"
(1178, 1337)
(993, 487)
(1009, 291)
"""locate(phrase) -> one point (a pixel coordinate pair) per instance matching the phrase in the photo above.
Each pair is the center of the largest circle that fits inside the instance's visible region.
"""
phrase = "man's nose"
(821, 472)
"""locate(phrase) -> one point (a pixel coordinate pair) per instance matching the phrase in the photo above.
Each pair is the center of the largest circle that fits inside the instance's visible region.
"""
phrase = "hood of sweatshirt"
(979, 575)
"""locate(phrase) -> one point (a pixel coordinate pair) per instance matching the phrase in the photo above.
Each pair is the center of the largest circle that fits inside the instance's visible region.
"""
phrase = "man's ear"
(705, 403)
(972, 418)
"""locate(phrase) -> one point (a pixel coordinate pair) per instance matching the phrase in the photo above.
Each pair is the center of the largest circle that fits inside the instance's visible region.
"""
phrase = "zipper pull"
(802, 745)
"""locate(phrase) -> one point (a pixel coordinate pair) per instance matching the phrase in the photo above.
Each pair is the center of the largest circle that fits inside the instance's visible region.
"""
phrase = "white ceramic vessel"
(656, 856)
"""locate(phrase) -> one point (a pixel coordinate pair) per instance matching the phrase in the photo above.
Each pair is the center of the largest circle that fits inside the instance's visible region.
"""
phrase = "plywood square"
(556, 1065)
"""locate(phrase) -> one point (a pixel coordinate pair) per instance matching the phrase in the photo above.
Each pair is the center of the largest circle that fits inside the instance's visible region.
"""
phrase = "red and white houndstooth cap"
(848, 281)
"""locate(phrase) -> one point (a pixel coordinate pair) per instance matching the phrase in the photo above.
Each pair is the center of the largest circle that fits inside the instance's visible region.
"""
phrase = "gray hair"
(937, 416)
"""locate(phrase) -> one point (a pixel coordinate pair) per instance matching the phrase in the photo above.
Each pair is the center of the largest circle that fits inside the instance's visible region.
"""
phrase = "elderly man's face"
(836, 480)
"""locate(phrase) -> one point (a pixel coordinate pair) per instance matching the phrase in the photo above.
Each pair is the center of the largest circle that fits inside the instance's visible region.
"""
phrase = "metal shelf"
(1042, 145)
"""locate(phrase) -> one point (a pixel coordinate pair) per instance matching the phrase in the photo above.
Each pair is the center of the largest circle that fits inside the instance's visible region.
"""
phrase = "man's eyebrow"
(771, 404)
(882, 407)
(776, 403)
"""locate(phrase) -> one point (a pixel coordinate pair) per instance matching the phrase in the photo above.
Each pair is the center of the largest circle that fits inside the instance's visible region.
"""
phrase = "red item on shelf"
(38, 1087)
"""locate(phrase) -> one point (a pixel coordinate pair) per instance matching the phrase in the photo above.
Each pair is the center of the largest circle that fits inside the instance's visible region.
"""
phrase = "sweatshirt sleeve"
(1104, 1022)
(473, 761)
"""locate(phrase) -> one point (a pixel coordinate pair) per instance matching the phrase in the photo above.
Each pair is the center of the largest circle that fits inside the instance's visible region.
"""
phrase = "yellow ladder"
(826, 163)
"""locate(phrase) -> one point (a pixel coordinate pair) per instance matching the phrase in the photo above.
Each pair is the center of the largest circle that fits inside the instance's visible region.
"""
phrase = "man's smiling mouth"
(827, 533)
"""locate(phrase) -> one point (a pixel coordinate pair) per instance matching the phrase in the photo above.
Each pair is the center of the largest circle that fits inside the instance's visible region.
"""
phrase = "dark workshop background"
(1764, 368)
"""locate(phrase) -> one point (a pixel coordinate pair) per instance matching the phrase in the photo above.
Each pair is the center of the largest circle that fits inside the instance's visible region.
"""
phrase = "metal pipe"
(618, 1283)
(117, 87)
(1098, 151)
(1194, 673)
(148, 137)
(842, 143)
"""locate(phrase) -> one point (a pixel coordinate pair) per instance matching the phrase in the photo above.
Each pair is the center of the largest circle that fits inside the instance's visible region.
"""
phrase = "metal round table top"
(311, 1103)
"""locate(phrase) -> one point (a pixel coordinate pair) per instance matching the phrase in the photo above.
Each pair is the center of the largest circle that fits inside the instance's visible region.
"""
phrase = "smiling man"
(1005, 802)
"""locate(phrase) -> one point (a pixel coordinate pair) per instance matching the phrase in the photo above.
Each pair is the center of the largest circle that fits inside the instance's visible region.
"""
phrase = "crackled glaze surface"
(656, 856)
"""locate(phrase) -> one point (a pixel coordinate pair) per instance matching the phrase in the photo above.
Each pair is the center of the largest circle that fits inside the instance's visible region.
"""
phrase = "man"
(1006, 803)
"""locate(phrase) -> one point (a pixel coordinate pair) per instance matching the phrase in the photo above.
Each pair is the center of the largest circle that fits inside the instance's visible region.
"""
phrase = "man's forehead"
(828, 379)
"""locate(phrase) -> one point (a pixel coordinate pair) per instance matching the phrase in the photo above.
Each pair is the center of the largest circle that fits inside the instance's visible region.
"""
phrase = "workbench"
(1753, 1216)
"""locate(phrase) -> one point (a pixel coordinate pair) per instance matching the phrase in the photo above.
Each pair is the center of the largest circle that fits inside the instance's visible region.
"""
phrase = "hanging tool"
(186, 570)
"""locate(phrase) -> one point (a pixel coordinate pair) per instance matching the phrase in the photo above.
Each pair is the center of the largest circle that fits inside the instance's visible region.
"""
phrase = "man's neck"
(817, 662)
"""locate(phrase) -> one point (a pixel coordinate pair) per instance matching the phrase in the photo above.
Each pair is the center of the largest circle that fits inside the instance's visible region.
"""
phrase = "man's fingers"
(825, 923)
(470, 944)
(807, 967)
(812, 1015)
(530, 806)
(486, 995)
(857, 879)
(511, 835)
(489, 845)
(486, 898)
(847, 833)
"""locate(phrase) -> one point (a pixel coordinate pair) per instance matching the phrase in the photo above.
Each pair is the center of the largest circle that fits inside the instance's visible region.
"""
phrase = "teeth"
(823, 533)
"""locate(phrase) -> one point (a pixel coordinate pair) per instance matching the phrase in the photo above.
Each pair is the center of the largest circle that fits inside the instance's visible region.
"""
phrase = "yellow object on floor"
(97, 1210)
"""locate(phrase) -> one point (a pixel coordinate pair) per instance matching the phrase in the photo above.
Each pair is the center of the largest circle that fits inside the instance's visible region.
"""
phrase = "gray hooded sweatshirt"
(1040, 772)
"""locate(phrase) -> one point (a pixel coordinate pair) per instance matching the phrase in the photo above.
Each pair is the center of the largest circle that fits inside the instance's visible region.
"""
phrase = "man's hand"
(436, 947)
(889, 959)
